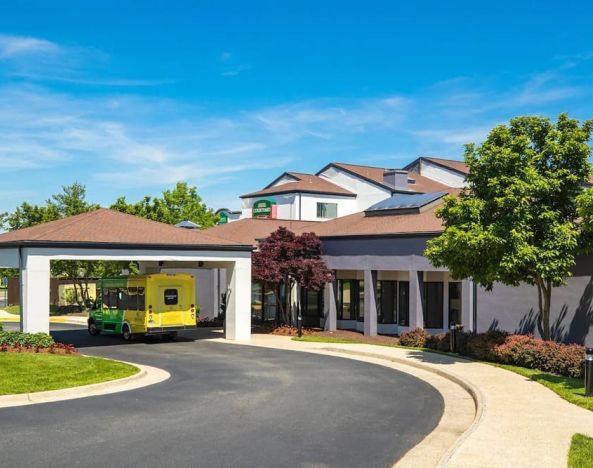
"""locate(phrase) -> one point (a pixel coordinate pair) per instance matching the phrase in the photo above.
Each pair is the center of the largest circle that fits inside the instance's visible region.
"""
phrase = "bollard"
(589, 372)
(299, 325)
(452, 333)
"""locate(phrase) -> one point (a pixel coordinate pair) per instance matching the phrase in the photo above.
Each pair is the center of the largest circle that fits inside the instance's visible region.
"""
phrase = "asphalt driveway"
(226, 406)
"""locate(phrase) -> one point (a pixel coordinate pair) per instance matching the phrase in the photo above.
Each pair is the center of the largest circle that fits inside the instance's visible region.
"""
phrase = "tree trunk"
(544, 290)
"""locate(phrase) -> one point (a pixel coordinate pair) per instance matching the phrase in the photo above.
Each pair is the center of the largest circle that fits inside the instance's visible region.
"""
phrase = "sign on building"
(264, 209)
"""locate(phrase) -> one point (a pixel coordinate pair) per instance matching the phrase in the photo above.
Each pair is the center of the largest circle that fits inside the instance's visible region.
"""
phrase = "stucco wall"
(515, 308)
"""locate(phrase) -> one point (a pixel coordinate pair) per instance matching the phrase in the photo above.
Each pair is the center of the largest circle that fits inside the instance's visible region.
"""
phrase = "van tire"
(93, 330)
(127, 333)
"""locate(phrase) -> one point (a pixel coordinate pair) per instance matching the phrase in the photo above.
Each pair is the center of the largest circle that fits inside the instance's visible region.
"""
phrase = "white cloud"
(14, 46)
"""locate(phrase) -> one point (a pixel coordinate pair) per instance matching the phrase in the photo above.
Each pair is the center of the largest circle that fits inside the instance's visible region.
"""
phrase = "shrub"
(481, 345)
(499, 346)
(439, 342)
(548, 356)
(1, 327)
(29, 340)
(416, 338)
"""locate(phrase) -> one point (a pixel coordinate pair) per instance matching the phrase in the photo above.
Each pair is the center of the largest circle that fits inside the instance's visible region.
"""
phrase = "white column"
(416, 310)
(330, 307)
(370, 303)
(34, 285)
(467, 305)
(238, 308)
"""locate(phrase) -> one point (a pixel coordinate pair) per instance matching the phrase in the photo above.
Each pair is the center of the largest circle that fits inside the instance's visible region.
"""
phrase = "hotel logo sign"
(263, 209)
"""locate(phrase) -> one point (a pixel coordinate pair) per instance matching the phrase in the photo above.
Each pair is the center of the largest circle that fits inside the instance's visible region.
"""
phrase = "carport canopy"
(109, 235)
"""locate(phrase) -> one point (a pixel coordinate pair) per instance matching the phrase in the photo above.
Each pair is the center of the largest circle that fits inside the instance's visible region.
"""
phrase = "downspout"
(21, 295)
(475, 311)
(300, 205)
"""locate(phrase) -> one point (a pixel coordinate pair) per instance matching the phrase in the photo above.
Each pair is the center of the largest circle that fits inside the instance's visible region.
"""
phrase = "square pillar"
(237, 324)
(416, 306)
(467, 305)
(331, 306)
(370, 303)
(34, 290)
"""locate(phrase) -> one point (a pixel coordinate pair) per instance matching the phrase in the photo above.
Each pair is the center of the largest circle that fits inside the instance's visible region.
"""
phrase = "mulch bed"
(285, 330)
(59, 348)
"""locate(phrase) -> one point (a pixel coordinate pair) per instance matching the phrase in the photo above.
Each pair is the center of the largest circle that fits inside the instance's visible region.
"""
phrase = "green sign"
(223, 217)
(262, 209)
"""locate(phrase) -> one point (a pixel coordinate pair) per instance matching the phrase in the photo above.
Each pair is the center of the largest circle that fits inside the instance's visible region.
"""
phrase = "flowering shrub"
(548, 356)
(499, 346)
(417, 338)
(32, 342)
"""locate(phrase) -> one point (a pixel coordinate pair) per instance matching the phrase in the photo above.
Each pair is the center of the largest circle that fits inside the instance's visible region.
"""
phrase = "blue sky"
(227, 95)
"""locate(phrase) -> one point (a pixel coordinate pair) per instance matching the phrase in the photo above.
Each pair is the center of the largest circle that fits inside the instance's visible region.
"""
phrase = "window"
(141, 299)
(403, 303)
(351, 300)
(386, 301)
(433, 304)
(171, 297)
(455, 302)
(327, 210)
(111, 298)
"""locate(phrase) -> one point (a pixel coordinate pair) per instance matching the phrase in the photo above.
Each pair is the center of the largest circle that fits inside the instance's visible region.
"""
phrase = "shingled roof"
(303, 183)
(416, 182)
(112, 229)
(250, 230)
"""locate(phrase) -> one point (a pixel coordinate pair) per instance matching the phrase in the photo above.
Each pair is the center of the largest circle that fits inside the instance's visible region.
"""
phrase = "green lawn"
(581, 452)
(31, 372)
(572, 390)
(12, 309)
(16, 309)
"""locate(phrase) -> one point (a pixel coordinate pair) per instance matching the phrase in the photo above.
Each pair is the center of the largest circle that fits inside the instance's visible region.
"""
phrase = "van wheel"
(126, 332)
(93, 330)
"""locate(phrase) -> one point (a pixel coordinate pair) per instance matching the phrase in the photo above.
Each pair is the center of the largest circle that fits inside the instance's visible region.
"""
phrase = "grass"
(581, 452)
(31, 372)
(16, 309)
(12, 309)
(568, 388)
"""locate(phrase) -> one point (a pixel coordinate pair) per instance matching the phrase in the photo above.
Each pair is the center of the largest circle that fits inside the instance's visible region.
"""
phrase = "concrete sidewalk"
(518, 422)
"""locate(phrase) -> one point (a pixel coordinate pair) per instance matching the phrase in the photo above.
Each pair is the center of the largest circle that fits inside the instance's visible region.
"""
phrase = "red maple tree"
(285, 259)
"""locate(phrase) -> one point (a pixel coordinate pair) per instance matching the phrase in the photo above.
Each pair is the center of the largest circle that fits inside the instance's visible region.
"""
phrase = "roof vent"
(188, 225)
(396, 178)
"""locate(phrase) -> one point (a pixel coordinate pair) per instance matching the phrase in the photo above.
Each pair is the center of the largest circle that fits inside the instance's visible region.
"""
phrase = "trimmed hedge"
(500, 347)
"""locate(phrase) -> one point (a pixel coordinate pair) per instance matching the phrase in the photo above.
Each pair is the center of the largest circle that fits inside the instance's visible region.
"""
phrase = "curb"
(146, 376)
(473, 391)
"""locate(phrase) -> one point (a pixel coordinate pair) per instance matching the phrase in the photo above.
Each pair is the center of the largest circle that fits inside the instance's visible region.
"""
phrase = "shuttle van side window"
(171, 297)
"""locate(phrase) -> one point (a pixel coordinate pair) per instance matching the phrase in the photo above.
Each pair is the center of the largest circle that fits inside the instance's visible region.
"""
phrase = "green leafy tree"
(181, 203)
(69, 202)
(516, 220)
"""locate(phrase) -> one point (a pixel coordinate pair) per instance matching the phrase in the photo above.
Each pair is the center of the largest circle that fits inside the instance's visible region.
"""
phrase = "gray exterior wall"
(377, 253)
(513, 309)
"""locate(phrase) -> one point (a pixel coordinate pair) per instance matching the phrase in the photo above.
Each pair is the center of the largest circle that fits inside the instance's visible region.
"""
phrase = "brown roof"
(250, 230)
(104, 227)
(458, 166)
(416, 182)
(358, 224)
(305, 183)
